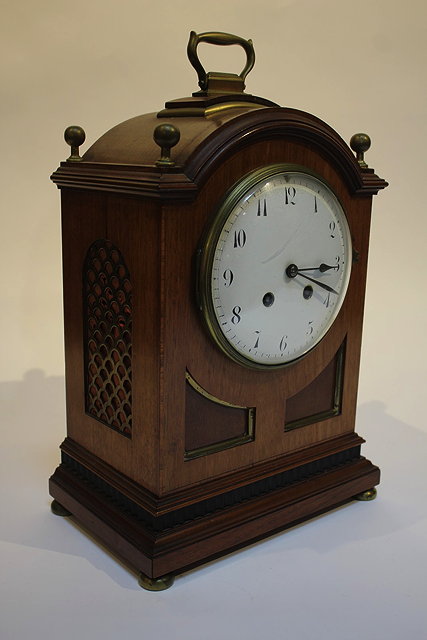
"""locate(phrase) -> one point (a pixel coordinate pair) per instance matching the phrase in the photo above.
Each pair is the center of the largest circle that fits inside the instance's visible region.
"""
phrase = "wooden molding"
(187, 545)
(159, 505)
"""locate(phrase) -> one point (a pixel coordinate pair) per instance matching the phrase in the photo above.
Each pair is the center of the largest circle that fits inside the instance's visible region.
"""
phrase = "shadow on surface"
(33, 426)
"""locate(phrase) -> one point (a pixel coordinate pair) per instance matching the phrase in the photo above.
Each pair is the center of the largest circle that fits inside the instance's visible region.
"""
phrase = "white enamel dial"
(275, 267)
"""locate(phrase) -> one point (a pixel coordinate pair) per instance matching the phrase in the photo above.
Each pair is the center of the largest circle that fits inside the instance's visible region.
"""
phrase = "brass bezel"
(206, 252)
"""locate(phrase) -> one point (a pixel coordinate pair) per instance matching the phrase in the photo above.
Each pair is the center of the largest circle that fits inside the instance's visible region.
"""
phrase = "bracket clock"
(214, 262)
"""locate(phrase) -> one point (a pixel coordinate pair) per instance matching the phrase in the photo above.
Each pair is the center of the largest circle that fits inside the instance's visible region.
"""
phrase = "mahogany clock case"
(174, 453)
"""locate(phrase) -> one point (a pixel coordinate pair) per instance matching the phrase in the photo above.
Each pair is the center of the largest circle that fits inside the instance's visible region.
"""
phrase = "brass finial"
(166, 136)
(360, 143)
(74, 136)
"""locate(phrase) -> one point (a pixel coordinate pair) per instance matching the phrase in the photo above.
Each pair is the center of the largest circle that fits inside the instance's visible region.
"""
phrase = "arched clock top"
(128, 158)
(287, 124)
(198, 133)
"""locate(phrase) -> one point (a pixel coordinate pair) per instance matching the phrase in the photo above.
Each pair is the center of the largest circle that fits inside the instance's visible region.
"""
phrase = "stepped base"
(171, 543)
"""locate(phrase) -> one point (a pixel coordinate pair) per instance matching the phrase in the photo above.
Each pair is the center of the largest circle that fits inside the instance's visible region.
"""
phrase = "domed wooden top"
(132, 142)
(173, 162)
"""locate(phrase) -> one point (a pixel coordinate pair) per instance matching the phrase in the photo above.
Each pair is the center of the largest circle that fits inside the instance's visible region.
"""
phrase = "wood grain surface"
(156, 219)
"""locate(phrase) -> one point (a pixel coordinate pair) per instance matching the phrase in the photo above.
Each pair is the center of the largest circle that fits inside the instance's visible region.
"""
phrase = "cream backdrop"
(360, 66)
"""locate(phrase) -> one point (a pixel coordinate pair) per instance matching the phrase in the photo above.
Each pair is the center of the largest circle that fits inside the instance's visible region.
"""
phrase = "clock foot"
(156, 584)
(370, 494)
(58, 509)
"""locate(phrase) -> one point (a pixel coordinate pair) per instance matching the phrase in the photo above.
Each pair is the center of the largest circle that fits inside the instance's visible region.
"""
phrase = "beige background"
(361, 66)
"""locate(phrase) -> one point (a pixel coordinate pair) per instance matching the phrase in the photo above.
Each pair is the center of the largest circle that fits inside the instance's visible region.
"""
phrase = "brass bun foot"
(370, 494)
(156, 584)
(58, 509)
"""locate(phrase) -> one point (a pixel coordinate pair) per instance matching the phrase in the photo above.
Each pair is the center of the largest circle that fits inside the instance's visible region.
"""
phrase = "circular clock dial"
(275, 267)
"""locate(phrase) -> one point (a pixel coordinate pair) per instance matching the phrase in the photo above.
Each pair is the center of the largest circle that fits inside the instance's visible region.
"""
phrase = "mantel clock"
(214, 259)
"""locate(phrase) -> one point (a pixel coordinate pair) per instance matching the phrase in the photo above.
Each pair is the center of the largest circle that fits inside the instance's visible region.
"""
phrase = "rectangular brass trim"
(337, 405)
(226, 444)
(223, 444)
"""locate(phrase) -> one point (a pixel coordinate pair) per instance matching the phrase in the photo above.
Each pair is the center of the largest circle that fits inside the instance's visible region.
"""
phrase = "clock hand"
(321, 284)
(323, 267)
(292, 271)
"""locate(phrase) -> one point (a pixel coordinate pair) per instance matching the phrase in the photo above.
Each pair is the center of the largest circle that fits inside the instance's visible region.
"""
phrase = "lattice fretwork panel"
(107, 294)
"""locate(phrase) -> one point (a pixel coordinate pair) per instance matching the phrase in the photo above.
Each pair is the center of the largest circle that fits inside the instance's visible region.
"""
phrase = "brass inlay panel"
(223, 444)
(335, 410)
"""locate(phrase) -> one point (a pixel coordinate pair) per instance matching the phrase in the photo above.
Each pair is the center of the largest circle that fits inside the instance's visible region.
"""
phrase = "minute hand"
(321, 284)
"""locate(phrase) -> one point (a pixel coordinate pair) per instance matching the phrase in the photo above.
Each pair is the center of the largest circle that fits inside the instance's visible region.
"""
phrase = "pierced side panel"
(107, 294)
(212, 424)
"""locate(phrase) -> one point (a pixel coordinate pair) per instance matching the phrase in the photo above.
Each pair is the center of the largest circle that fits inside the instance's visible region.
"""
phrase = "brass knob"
(166, 136)
(360, 143)
(74, 136)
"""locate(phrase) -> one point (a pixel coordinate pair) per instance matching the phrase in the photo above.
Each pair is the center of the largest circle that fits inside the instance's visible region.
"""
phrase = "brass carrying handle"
(216, 37)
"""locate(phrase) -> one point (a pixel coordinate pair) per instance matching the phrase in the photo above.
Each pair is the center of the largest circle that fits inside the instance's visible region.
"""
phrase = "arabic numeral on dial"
(332, 226)
(235, 318)
(228, 277)
(290, 194)
(310, 329)
(338, 263)
(257, 340)
(283, 344)
(327, 300)
(315, 204)
(239, 239)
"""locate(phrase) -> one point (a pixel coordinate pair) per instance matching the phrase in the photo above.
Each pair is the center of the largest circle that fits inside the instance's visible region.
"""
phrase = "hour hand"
(322, 268)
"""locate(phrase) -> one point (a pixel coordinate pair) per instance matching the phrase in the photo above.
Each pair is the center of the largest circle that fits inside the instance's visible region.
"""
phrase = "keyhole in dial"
(268, 299)
(308, 292)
